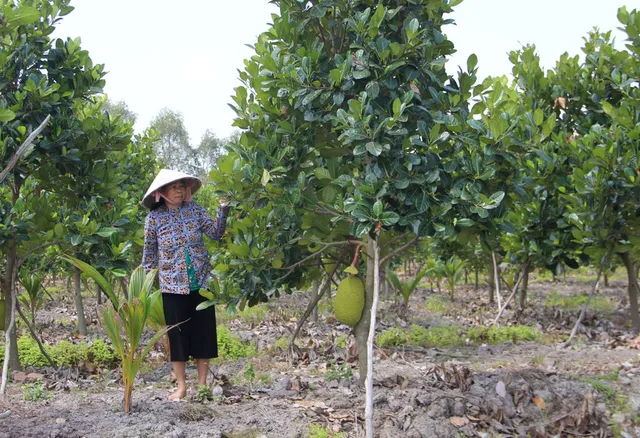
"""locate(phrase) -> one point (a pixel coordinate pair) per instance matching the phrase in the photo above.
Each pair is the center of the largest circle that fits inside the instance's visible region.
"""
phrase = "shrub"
(453, 335)
(65, 353)
(231, 346)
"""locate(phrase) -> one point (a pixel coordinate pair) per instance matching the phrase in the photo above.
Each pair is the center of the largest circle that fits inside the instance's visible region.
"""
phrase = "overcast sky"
(185, 55)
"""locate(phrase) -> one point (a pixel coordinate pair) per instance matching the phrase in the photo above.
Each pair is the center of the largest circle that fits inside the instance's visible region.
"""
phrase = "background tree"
(172, 147)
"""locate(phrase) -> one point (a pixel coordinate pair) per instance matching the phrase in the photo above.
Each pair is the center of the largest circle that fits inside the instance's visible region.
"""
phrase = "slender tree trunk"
(387, 289)
(372, 334)
(82, 326)
(466, 277)
(524, 287)
(491, 283)
(314, 298)
(496, 276)
(124, 286)
(9, 360)
(476, 273)
(9, 292)
(606, 279)
(325, 287)
(632, 288)
(583, 312)
(362, 328)
(99, 294)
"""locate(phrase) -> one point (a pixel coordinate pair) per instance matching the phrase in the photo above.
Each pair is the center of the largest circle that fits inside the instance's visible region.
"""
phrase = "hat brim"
(164, 177)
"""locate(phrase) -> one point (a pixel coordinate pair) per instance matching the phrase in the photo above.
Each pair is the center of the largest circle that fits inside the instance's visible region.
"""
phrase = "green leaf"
(464, 222)
(322, 173)
(377, 208)
(59, 230)
(361, 74)
(6, 115)
(266, 177)
(374, 148)
(538, 117)
(389, 218)
(91, 272)
(496, 198)
(373, 89)
(472, 61)
(23, 16)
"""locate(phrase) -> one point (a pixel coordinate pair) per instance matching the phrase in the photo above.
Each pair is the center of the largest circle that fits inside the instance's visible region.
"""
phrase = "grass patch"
(66, 353)
(250, 315)
(576, 301)
(232, 347)
(317, 431)
(455, 335)
(34, 392)
(436, 304)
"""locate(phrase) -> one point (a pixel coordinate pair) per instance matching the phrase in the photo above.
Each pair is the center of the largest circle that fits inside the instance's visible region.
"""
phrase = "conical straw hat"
(164, 177)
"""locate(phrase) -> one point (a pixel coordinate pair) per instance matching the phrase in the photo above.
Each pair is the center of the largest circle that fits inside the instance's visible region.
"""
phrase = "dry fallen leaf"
(459, 421)
(539, 403)
(501, 389)
(560, 101)
(472, 418)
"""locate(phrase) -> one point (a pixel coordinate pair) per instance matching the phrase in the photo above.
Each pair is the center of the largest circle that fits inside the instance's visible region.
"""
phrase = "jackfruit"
(349, 301)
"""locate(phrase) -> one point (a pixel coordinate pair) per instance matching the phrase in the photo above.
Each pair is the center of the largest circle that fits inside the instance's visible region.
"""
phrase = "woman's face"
(174, 192)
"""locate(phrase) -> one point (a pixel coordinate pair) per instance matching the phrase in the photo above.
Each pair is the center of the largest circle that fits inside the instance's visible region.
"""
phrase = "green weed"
(34, 392)
(577, 301)
(250, 315)
(455, 335)
(436, 304)
(317, 431)
(66, 353)
(203, 394)
(338, 372)
(232, 347)
(341, 341)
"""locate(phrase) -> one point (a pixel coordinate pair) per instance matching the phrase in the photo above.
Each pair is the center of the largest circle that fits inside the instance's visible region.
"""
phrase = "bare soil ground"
(521, 389)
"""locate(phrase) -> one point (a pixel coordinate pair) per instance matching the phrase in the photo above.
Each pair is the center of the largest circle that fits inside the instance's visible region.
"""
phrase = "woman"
(173, 243)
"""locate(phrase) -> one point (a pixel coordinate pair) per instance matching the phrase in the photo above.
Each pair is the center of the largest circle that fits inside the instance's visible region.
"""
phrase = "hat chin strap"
(158, 194)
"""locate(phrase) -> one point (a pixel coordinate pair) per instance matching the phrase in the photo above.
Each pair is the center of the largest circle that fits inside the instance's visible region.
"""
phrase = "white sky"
(184, 55)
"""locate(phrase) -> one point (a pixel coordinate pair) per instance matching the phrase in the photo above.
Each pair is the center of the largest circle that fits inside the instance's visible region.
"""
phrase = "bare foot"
(178, 395)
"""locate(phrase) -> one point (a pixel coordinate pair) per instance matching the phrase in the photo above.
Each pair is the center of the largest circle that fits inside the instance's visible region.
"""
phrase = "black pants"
(196, 335)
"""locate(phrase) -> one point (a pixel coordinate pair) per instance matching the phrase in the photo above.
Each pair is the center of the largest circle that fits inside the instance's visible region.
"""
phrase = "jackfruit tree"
(81, 153)
(352, 129)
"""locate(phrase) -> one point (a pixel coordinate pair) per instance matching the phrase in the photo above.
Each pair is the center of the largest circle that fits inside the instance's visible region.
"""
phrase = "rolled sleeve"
(150, 248)
(215, 228)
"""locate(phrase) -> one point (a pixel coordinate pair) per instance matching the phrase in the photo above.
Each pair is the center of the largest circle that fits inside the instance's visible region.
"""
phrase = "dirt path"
(532, 389)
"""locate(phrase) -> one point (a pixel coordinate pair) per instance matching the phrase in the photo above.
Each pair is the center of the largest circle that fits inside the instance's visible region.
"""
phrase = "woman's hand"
(222, 202)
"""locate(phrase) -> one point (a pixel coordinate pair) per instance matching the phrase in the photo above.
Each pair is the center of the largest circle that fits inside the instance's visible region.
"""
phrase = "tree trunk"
(372, 334)
(361, 329)
(82, 326)
(523, 288)
(314, 297)
(477, 284)
(496, 277)
(466, 276)
(8, 292)
(99, 294)
(387, 289)
(491, 283)
(606, 280)
(632, 288)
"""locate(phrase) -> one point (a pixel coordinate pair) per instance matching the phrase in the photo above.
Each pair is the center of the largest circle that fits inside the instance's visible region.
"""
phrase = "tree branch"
(398, 250)
(22, 149)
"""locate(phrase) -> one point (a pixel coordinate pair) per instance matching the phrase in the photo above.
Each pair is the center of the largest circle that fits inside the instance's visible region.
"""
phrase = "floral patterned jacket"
(167, 233)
